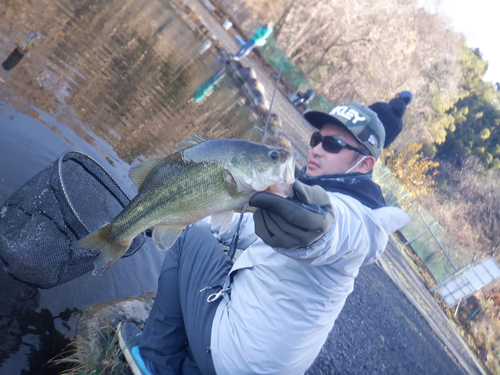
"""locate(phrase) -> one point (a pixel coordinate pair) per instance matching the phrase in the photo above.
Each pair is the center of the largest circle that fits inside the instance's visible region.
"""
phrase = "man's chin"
(313, 172)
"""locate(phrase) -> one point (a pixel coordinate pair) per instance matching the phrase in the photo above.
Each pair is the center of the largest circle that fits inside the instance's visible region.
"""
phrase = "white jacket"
(283, 303)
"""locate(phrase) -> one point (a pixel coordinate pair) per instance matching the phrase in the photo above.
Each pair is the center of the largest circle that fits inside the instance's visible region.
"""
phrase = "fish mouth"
(287, 170)
(283, 187)
(279, 176)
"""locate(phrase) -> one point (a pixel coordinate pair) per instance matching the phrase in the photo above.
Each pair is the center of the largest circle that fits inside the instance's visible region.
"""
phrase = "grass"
(99, 357)
(414, 261)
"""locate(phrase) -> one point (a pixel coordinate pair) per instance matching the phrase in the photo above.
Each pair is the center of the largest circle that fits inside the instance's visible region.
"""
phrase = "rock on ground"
(96, 319)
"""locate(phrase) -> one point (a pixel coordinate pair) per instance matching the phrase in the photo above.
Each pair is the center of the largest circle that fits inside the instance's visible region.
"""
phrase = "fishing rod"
(235, 239)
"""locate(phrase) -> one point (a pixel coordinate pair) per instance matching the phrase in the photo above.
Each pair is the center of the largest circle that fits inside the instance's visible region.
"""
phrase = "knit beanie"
(406, 96)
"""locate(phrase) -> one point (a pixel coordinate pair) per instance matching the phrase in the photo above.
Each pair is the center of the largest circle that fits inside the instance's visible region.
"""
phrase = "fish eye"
(274, 155)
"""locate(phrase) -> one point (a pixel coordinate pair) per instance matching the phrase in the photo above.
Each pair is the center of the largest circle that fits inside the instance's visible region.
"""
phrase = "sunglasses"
(331, 144)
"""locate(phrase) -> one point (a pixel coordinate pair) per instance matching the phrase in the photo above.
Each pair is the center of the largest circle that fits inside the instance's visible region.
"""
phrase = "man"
(257, 40)
(271, 312)
(391, 115)
(302, 99)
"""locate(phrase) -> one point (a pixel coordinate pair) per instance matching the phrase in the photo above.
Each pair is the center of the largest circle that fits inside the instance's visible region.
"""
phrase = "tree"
(414, 171)
(475, 190)
(281, 21)
(476, 126)
(367, 50)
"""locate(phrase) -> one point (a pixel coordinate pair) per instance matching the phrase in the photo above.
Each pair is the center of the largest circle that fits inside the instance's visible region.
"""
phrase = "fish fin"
(223, 219)
(139, 172)
(107, 252)
(190, 141)
(164, 236)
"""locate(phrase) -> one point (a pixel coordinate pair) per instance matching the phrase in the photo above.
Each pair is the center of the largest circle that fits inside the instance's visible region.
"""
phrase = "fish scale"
(201, 178)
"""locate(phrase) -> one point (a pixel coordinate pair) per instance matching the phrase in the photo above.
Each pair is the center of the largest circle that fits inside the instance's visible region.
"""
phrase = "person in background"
(272, 310)
(303, 98)
(258, 39)
(391, 114)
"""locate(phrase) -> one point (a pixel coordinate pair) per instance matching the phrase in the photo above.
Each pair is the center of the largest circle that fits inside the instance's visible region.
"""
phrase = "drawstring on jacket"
(215, 296)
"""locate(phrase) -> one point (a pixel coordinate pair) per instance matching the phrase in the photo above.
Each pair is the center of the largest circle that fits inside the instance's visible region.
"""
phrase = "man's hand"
(294, 222)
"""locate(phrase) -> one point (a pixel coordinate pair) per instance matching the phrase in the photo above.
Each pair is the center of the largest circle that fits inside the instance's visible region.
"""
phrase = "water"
(114, 79)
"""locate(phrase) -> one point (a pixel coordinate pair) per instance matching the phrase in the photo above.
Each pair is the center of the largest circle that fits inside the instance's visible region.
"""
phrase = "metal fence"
(442, 255)
(295, 77)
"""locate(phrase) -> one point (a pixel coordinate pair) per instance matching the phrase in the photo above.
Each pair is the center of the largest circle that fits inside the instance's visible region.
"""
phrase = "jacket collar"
(356, 185)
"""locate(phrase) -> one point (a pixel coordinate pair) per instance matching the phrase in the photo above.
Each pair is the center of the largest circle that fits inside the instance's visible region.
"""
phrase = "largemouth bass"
(200, 178)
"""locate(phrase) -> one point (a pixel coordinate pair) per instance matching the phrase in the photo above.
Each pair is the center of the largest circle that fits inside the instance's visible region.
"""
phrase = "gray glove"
(294, 222)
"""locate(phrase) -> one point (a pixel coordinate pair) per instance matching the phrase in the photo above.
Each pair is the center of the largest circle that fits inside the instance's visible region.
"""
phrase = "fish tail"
(108, 251)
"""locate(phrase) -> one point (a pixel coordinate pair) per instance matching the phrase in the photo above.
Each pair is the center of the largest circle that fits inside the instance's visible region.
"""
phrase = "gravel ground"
(379, 331)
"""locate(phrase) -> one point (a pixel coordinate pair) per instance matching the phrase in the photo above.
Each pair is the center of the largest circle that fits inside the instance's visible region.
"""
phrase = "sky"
(478, 21)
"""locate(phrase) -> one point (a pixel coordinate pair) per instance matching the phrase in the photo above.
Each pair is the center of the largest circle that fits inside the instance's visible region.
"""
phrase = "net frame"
(63, 203)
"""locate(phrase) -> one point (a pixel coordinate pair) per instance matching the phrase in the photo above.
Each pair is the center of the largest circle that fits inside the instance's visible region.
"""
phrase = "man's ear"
(366, 165)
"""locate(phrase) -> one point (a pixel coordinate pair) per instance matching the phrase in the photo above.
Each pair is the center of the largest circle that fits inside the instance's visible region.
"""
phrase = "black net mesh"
(38, 224)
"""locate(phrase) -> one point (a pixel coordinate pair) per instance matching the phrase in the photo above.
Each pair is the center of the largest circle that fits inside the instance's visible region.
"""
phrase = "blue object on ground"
(245, 50)
(261, 34)
(128, 340)
(240, 41)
